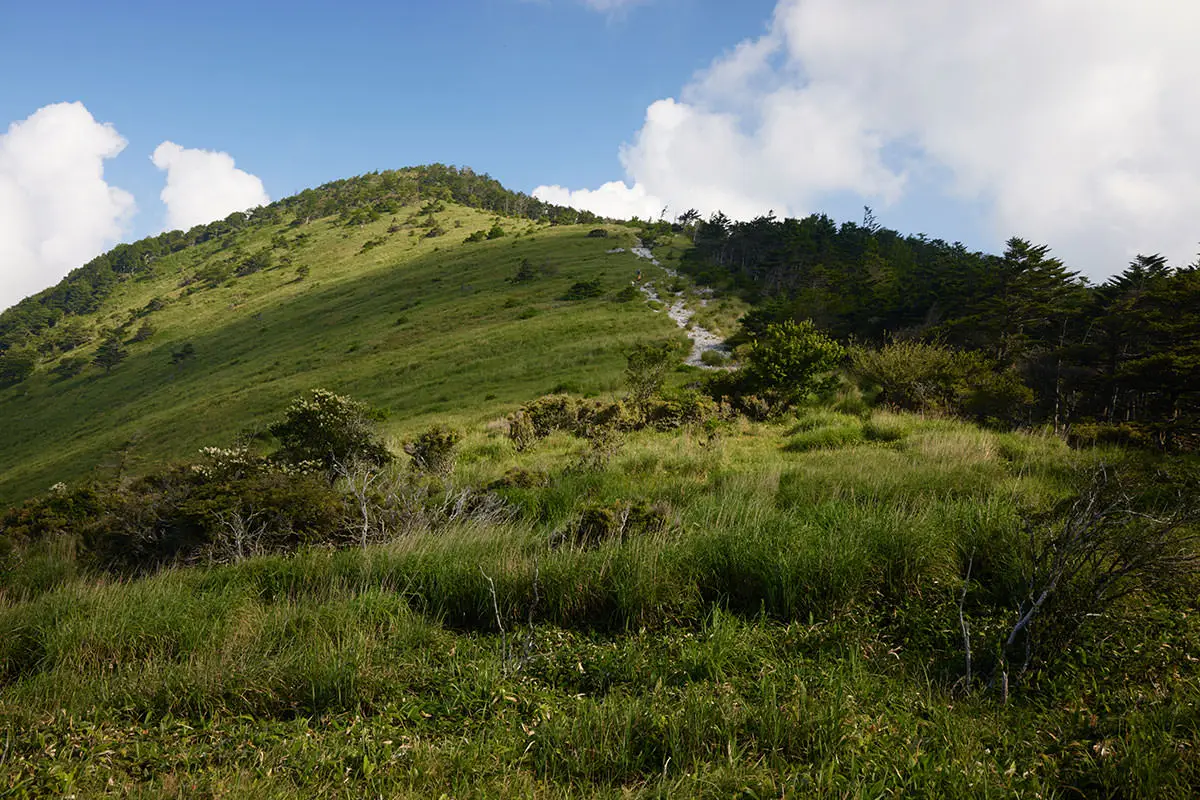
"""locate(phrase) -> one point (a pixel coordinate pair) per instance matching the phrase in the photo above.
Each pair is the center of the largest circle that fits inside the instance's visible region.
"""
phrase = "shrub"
(143, 333)
(590, 420)
(680, 408)
(598, 524)
(525, 272)
(584, 290)
(626, 295)
(598, 233)
(256, 263)
(477, 236)
(69, 367)
(495, 232)
(182, 353)
(434, 450)
(328, 428)
(788, 360)
(520, 478)
(646, 369)
(16, 365)
(930, 378)
(110, 353)
(714, 358)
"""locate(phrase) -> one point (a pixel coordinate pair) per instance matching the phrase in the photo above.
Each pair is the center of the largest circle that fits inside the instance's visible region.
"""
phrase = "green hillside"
(424, 326)
(565, 563)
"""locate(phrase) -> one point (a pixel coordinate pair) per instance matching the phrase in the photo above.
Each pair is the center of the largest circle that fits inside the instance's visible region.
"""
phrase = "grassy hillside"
(791, 628)
(423, 327)
(641, 594)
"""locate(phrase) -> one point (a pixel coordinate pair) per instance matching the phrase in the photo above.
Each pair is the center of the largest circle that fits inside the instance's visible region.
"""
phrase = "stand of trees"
(1124, 356)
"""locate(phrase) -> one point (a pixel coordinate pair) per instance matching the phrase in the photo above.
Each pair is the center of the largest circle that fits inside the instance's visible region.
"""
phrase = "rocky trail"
(702, 338)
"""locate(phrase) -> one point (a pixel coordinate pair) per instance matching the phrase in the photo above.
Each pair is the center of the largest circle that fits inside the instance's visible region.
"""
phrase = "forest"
(1119, 361)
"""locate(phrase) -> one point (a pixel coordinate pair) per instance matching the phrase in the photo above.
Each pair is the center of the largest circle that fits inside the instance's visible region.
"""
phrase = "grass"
(793, 631)
(790, 627)
(385, 325)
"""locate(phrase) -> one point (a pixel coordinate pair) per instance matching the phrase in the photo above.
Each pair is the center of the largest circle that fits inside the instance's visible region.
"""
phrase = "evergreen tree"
(110, 353)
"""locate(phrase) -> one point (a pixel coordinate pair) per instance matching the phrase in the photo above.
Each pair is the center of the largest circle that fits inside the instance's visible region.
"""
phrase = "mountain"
(781, 586)
(432, 293)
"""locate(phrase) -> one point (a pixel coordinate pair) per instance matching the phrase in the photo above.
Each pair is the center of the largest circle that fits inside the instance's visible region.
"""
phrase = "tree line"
(1120, 359)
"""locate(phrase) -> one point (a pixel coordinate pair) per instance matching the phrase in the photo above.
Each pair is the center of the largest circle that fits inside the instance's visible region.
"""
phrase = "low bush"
(626, 295)
(933, 379)
(584, 290)
(434, 450)
(329, 428)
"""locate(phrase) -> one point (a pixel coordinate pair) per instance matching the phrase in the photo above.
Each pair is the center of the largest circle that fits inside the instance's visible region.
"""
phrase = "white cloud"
(613, 199)
(56, 210)
(1072, 122)
(203, 186)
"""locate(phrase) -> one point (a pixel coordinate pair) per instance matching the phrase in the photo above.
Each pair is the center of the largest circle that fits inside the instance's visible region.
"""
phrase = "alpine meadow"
(411, 485)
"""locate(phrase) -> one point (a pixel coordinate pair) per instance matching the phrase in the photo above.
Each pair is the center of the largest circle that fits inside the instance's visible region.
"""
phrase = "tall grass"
(792, 631)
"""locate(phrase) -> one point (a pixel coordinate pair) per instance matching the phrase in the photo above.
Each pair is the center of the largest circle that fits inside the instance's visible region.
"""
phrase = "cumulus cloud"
(203, 186)
(56, 210)
(613, 199)
(1072, 123)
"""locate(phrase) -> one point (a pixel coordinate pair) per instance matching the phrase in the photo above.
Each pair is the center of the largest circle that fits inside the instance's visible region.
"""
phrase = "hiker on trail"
(639, 276)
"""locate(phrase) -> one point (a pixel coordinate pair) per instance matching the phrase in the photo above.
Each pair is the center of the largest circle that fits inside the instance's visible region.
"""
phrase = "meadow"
(825, 602)
(426, 328)
(787, 624)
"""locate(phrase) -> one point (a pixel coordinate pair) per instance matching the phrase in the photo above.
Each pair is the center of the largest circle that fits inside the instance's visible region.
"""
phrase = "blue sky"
(1069, 123)
(303, 92)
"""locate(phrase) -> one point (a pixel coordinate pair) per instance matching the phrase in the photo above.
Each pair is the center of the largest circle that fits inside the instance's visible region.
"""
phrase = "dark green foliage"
(155, 304)
(263, 259)
(584, 290)
(214, 275)
(598, 233)
(626, 294)
(678, 409)
(110, 353)
(1122, 353)
(183, 353)
(525, 272)
(66, 336)
(69, 367)
(495, 232)
(646, 368)
(434, 450)
(144, 332)
(929, 378)
(790, 360)
(587, 419)
(16, 365)
(477, 236)
(329, 429)
(181, 515)
(598, 524)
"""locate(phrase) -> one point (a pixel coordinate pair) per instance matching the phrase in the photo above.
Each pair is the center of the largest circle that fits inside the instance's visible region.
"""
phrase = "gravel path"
(702, 338)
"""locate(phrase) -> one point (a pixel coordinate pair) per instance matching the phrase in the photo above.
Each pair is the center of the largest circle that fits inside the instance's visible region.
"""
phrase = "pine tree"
(110, 353)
